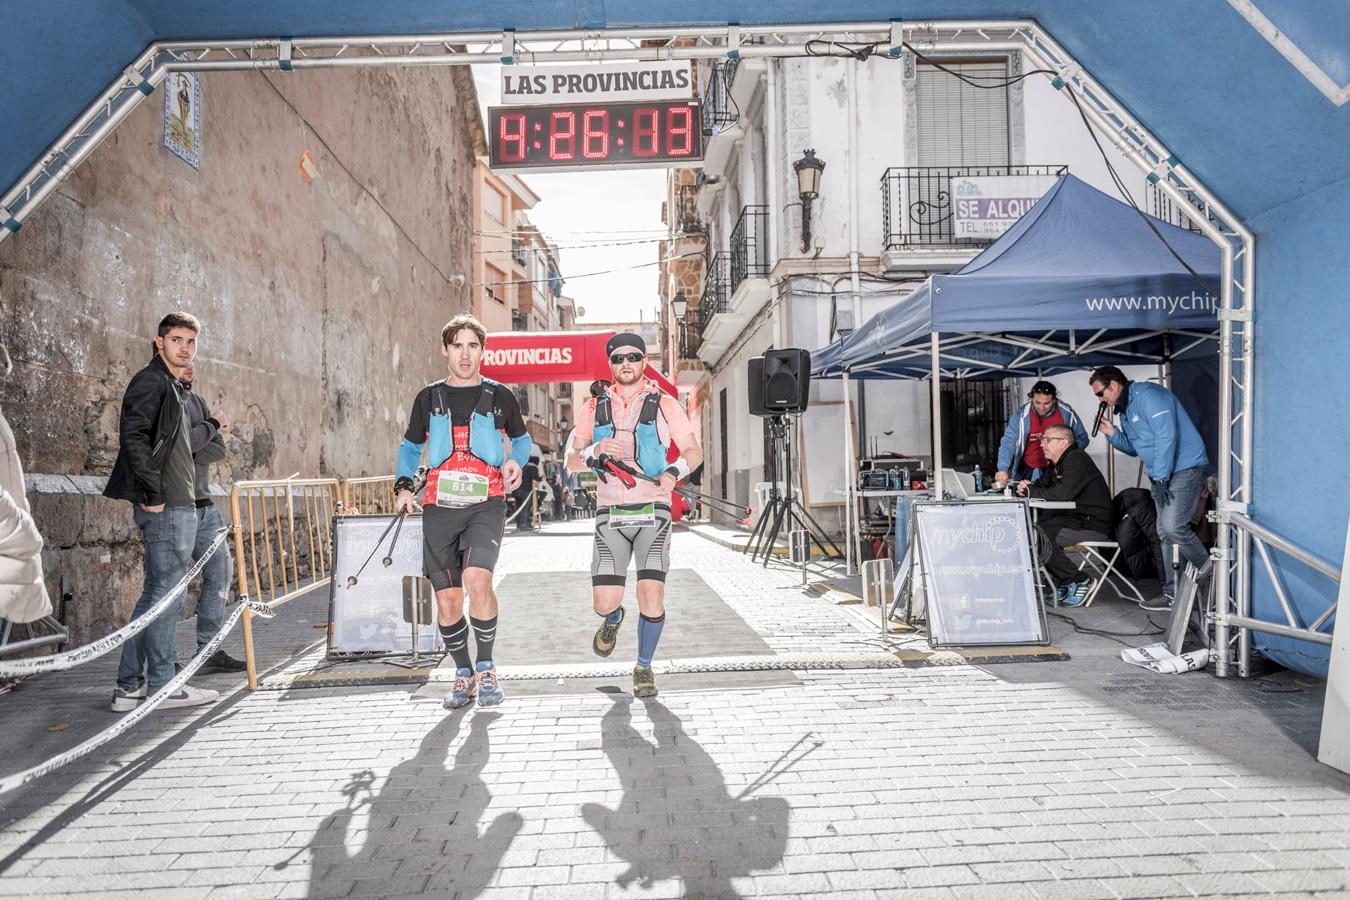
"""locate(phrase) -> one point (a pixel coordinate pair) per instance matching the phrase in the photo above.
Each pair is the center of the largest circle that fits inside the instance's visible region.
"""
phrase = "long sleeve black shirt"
(1076, 477)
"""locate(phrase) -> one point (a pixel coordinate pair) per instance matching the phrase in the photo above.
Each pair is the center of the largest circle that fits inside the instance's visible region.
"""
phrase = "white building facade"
(892, 134)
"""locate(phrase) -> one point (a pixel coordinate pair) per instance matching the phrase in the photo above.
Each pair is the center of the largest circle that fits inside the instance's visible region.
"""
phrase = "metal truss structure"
(1164, 169)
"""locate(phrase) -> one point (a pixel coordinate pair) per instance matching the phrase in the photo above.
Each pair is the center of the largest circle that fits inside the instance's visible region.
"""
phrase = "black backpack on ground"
(1136, 521)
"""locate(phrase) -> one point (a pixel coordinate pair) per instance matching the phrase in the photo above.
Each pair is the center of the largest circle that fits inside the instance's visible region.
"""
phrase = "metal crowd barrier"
(371, 495)
(1241, 616)
(283, 542)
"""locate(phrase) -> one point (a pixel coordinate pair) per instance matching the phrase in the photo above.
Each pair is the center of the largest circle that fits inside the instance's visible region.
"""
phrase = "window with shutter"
(958, 124)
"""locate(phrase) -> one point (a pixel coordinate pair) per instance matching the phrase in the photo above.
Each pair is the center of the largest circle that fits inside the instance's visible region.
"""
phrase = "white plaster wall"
(1055, 133)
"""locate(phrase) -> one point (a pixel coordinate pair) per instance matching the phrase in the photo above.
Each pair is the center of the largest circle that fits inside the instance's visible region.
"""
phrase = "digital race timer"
(660, 132)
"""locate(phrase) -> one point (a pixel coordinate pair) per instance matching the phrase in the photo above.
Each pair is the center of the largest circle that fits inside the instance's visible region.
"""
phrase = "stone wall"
(321, 301)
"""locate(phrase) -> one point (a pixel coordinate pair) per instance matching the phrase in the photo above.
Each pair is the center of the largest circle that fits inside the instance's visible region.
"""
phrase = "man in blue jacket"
(1020, 456)
(1155, 428)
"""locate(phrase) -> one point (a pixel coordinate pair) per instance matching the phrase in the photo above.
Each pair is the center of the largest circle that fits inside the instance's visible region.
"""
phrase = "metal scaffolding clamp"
(8, 221)
(1066, 75)
(139, 81)
(284, 54)
(1236, 315)
(897, 39)
(508, 48)
(733, 41)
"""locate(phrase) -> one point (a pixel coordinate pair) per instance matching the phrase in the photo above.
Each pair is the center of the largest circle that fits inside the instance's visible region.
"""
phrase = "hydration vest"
(648, 449)
(485, 439)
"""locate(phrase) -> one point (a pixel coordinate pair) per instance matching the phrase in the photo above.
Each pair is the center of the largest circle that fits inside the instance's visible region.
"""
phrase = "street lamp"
(679, 305)
(808, 170)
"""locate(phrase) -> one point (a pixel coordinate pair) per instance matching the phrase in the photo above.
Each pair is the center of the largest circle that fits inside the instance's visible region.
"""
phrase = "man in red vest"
(475, 441)
(1020, 455)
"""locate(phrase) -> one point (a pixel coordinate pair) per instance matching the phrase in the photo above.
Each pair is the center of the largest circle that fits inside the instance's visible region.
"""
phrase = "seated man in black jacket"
(1073, 476)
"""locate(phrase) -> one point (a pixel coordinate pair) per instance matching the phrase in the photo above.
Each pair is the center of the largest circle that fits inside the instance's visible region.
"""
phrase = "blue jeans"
(1174, 523)
(168, 536)
(215, 575)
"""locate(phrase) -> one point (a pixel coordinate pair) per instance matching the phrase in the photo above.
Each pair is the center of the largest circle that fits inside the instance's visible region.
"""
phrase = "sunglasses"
(617, 358)
(1099, 393)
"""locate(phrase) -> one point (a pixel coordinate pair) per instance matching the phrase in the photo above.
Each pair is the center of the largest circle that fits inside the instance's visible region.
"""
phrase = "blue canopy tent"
(1080, 280)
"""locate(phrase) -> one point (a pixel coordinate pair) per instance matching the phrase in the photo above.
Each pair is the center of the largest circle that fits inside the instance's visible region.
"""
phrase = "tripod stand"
(783, 509)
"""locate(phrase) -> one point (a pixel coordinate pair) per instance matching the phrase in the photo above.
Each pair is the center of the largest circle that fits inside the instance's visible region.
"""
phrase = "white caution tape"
(258, 608)
(130, 719)
(72, 658)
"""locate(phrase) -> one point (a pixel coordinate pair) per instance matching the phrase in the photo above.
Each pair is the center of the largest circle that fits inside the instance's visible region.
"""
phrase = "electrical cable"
(526, 232)
(862, 52)
(1120, 186)
(655, 262)
(595, 246)
(1112, 635)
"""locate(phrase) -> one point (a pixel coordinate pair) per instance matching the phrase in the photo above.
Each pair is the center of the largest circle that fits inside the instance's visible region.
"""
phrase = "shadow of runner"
(421, 830)
(676, 818)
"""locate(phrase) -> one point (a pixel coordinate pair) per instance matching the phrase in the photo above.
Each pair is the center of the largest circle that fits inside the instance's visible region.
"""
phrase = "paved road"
(1081, 778)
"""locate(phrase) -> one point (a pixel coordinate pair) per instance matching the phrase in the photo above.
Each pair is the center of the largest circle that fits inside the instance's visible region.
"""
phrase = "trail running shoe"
(1075, 594)
(489, 692)
(644, 681)
(462, 693)
(607, 635)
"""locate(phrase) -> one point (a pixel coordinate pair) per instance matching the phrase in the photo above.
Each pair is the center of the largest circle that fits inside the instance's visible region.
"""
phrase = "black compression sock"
(485, 633)
(456, 638)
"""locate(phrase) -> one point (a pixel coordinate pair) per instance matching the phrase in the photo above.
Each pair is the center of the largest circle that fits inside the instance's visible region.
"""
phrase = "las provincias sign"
(538, 85)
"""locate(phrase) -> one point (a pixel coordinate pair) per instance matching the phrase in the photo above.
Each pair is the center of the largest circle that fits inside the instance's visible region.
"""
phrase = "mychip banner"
(369, 616)
(979, 573)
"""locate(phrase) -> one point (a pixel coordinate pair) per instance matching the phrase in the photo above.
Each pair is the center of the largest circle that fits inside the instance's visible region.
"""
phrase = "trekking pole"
(397, 524)
(727, 506)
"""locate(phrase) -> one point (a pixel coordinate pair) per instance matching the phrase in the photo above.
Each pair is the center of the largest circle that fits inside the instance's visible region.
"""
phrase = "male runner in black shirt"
(476, 441)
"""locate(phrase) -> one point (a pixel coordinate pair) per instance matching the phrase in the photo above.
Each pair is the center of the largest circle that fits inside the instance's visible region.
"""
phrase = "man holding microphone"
(1154, 428)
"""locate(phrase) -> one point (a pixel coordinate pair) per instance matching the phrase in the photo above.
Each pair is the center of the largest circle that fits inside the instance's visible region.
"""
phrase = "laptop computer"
(960, 485)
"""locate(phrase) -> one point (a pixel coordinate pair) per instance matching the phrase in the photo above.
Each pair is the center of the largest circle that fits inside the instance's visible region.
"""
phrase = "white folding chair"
(1098, 559)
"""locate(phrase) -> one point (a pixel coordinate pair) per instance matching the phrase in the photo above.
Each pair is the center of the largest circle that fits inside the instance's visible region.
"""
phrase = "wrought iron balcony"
(718, 109)
(690, 333)
(749, 246)
(916, 203)
(518, 251)
(685, 215)
(715, 290)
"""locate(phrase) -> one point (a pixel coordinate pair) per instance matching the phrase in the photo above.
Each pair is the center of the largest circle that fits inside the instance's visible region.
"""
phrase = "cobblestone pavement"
(1080, 778)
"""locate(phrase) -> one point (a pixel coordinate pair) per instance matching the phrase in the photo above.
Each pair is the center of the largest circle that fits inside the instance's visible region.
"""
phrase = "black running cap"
(625, 339)
(1043, 387)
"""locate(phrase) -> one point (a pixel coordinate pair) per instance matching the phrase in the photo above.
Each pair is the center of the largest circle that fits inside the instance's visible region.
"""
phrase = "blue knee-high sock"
(614, 617)
(649, 633)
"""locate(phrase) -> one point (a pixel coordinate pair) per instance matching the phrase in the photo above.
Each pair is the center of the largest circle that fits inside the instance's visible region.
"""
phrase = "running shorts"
(457, 538)
(648, 546)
